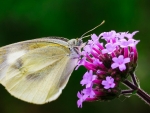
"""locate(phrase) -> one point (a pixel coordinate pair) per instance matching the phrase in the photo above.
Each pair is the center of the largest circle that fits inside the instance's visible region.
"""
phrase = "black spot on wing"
(38, 75)
(33, 76)
(18, 64)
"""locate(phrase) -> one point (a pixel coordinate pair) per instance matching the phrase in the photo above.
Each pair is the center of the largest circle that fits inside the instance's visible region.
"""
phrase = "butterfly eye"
(79, 42)
(73, 42)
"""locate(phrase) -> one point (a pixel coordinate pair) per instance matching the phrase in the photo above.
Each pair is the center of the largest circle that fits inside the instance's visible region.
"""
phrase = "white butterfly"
(37, 70)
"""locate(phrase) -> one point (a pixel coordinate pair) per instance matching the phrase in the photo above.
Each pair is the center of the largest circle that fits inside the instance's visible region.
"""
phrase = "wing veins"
(32, 83)
(38, 90)
(29, 78)
(51, 84)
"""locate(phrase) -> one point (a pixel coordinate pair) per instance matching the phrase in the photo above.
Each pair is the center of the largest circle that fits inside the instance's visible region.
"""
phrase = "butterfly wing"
(39, 75)
(10, 53)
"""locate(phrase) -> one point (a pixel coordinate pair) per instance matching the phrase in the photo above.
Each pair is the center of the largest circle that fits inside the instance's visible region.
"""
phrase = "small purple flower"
(95, 39)
(80, 62)
(88, 77)
(120, 62)
(88, 92)
(108, 83)
(85, 93)
(81, 99)
(108, 35)
(129, 35)
(87, 49)
(110, 47)
(128, 43)
(121, 35)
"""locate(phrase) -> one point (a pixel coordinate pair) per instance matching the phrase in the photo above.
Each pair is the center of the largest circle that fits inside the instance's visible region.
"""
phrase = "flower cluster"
(108, 62)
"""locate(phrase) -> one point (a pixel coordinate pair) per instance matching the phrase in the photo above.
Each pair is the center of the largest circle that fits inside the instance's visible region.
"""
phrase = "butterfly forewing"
(10, 53)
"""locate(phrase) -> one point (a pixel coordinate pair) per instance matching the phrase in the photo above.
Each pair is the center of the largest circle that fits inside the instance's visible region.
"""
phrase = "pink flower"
(120, 62)
(95, 39)
(88, 92)
(128, 43)
(108, 83)
(81, 99)
(110, 47)
(118, 50)
(108, 35)
(88, 77)
(130, 36)
(121, 35)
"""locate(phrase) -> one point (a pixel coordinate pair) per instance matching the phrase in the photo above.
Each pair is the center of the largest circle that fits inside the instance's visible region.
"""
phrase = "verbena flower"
(120, 62)
(108, 58)
(108, 83)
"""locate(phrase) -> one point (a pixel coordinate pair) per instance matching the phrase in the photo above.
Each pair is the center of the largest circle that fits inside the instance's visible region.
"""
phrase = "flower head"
(108, 64)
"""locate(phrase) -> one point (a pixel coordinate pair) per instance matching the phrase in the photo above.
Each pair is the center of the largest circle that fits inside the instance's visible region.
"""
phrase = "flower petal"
(126, 60)
(114, 65)
(122, 67)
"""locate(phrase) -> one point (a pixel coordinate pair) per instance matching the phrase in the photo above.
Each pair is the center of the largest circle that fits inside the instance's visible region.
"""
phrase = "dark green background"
(28, 19)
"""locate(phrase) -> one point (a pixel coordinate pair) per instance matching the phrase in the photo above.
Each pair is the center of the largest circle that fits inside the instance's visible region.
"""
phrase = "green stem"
(134, 79)
(142, 94)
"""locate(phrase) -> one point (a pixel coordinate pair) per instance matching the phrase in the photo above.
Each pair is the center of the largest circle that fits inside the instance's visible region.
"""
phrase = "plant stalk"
(141, 93)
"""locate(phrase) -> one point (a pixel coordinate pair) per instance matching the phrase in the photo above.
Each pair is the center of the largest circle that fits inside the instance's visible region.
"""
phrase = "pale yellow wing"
(39, 75)
(10, 53)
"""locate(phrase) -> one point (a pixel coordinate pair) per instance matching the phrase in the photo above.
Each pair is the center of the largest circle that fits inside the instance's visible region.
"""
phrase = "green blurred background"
(28, 19)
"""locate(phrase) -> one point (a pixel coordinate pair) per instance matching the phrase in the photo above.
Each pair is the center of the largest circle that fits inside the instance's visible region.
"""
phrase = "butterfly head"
(75, 42)
(75, 46)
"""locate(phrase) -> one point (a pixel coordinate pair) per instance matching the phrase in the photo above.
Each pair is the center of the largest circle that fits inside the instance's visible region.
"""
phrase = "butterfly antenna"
(92, 30)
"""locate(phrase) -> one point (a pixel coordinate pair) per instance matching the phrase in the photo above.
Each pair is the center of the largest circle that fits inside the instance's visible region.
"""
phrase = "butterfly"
(36, 71)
